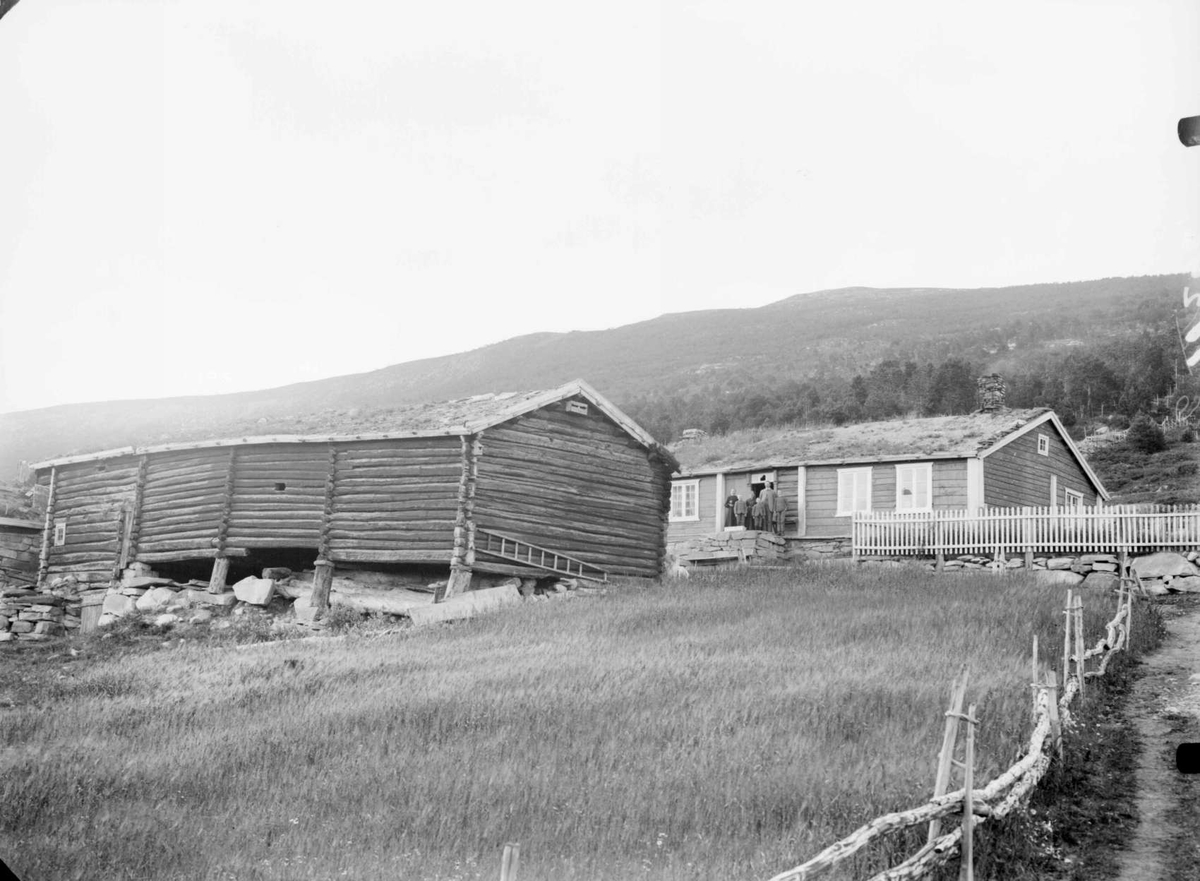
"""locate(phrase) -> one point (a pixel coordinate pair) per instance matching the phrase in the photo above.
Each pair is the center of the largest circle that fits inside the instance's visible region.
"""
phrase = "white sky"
(203, 196)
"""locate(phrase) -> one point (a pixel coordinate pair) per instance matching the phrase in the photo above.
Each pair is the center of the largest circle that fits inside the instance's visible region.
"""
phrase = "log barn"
(529, 484)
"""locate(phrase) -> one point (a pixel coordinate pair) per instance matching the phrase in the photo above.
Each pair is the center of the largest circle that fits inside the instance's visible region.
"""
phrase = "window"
(685, 500)
(1043, 445)
(577, 407)
(914, 487)
(854, 491)
(1073, 499)
(60, 533)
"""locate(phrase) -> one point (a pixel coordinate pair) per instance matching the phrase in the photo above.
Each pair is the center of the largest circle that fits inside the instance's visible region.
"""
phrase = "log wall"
(183, 503)
(91, 497)
(395, 500)
(575, 484)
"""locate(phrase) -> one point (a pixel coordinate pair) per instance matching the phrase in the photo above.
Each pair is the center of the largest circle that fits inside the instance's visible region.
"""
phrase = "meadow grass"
(725, 727)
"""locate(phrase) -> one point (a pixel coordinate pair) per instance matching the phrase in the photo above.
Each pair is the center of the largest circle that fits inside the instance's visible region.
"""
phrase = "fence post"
(949, 738)
(966, 870)
(1080, 664)
(1067, 613)
(1055, 729)
(1035, 682)
(939, 542)
(510, 862)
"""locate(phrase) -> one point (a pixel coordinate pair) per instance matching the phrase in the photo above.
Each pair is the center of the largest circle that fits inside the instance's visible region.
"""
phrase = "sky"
(203, 196)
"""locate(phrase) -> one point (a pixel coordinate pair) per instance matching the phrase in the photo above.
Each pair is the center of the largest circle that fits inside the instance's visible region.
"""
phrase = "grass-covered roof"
(933, 436)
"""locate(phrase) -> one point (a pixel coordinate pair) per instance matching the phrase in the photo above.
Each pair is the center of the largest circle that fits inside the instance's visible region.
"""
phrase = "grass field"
(725, 727)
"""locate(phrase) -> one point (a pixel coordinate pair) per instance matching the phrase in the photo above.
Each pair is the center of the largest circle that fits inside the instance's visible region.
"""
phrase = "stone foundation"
(1159, 573)
(736, 546)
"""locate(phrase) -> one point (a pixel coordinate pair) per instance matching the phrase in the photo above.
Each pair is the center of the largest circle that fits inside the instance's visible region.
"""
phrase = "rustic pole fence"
(1005, 792)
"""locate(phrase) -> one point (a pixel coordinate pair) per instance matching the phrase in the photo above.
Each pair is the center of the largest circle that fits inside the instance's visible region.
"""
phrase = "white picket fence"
(990, 531)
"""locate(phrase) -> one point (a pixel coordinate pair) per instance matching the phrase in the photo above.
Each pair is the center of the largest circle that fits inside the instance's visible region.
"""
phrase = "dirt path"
(1164, 711)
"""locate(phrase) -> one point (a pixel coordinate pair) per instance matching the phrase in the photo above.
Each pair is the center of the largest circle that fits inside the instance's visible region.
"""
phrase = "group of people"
(765, 511)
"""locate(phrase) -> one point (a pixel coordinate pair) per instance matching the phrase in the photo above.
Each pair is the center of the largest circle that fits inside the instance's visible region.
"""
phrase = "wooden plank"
(383, 555)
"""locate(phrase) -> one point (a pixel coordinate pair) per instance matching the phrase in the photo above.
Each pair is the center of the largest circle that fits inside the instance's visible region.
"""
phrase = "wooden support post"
(1067, 612)
(966, 870)
(510, 863)
(462, 556)
(47, 529)
(1055, 728)
(220, 573)
(322, 579)
(949, 738)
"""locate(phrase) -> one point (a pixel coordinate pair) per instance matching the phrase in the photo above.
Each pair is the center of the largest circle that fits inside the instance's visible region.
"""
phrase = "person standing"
(759, 512)
(781, 507)
(767, 497)
(730, 506)
(739, 511)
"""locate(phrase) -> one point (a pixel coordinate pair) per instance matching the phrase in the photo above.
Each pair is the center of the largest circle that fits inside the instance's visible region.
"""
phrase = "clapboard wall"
(577, 484)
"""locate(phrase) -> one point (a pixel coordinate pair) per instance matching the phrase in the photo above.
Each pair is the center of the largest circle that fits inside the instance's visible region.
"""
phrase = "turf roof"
(934, 436)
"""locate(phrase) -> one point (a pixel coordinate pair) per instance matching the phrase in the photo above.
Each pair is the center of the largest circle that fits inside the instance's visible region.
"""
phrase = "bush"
(1145, 436)
(1188, 436)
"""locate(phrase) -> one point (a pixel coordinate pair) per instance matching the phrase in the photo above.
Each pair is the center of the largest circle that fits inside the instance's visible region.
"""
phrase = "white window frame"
(683, 486)
(1072, 499)
(857, 475)
(925, 479)
(1043, 445)
(60, 533)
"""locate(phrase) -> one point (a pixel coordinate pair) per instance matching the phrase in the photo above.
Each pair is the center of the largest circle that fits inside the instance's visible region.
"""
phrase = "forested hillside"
(1085, 348)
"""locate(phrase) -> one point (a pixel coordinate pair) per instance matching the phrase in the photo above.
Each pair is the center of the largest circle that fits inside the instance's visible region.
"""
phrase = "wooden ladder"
(509, 548)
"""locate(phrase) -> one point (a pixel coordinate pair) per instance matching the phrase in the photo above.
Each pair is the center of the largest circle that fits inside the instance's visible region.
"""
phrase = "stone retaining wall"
(735, 546)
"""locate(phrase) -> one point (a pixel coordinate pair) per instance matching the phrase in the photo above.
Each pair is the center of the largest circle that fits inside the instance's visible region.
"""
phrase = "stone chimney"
(990, 393)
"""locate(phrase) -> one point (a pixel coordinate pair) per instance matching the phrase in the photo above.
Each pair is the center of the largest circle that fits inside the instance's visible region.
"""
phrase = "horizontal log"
(631, 452)
(258, 514)
(200, 554)
(398, 445)
(290, 474)
(214, 493)
(97, 483)
(281, 542)
(93, 532)
(92, 500)
(149, 536)
(359, 509)
(546, 423)
(182, 513)
(394, 474)
(208, 476)
(563, 539)
(512, 460)
(265, 455)
(413, 514)
(398, 461)
(176, 457)
(283, 497)
(502, 495)
(108, 557)
(567, 498)
(388, 532)
(155, 545)
(357, 555)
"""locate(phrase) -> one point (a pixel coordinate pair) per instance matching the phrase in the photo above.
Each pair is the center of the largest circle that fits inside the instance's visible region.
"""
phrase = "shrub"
(1188, 436)
(1145, 436)
(341, 618)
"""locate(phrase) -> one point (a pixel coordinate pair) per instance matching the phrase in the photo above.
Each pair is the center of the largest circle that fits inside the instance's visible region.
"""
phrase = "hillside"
(792, 360)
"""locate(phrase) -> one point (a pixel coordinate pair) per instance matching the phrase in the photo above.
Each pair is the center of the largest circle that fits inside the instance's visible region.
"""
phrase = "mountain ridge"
(821, 336)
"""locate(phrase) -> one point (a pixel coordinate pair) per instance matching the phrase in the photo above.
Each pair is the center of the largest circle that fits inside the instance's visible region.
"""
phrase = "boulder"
(118, 605)
(1162, 564)
(1103, 566)
(155, 600)
(277, 573)
(1102, 580)
(21, 627)
(204, 598)
(1186, 584)
(1057, 576)
(166, 620)
(1059, 563)
(1093, 559)
(203, 616)
(5, 636)
(303, 610)
(255, 591)
(527, 588)
(1154, 587)
(107, 620)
